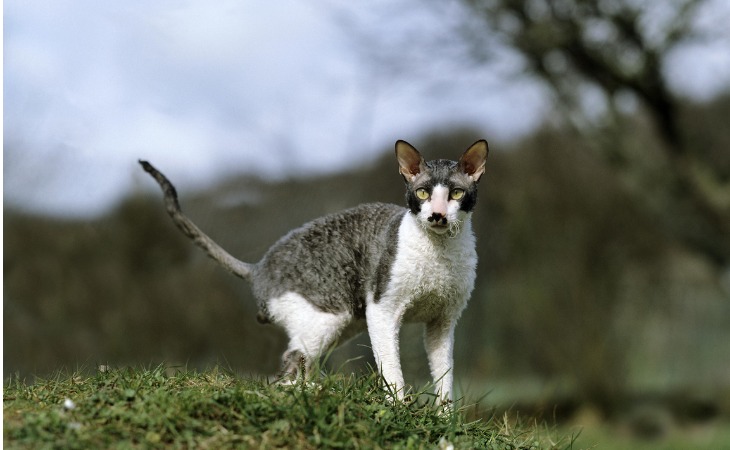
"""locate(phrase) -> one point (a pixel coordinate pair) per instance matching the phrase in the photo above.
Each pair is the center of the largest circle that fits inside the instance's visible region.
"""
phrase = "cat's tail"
(215, 251)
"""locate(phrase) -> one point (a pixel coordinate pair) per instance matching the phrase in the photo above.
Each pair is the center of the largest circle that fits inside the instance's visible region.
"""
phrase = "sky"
(281, 89)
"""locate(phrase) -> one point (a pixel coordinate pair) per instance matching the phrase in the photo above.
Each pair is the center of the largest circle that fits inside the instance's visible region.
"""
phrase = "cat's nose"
(438, 219)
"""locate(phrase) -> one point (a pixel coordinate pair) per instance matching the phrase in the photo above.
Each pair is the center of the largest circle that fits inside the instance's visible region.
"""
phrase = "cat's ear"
(410, 161)
(474, 160)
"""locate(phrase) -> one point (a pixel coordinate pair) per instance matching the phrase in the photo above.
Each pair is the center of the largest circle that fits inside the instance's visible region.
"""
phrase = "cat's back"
(351, 227)
(333, 260)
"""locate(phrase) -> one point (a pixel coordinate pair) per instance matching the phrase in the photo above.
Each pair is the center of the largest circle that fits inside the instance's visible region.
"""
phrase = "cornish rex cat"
(374, 266)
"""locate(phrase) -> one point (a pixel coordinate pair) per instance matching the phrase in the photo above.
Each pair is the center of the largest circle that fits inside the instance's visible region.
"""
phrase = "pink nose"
(439, 204)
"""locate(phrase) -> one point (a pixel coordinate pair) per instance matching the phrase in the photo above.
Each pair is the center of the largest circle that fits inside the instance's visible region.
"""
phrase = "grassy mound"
(163, 408)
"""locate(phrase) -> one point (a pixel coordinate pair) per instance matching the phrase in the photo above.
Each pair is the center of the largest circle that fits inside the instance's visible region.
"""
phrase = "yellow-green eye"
(457, 194)
(422, 194)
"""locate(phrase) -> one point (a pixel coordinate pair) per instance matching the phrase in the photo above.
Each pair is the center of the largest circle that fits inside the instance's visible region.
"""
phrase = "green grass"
(163, 408)
(711, 436)
(707, 437)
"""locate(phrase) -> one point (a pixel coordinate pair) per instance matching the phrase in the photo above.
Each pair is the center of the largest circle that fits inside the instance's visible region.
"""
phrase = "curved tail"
(215, 251)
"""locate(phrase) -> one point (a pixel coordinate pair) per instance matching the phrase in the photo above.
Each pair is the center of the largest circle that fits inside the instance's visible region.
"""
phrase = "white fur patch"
(433, 275)
(439, 199)
(431, 280)
(310, 329)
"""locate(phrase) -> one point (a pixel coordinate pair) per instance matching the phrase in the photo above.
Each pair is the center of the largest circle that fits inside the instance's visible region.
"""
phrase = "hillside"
(175, 408)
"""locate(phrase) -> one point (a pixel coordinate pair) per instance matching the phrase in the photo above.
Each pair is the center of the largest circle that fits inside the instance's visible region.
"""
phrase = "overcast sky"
(208, 89)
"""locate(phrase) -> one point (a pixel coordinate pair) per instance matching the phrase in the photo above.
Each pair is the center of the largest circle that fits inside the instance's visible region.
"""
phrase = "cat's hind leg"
(293, 366)
(311, 332)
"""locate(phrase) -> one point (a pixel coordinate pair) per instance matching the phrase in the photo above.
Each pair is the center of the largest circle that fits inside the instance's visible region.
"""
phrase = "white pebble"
(68, 404)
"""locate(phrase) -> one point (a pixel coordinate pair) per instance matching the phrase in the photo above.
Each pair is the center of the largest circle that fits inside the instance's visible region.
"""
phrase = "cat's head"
(441, 193)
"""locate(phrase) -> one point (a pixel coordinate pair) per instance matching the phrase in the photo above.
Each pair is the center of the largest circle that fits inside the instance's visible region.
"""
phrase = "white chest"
(432, 275)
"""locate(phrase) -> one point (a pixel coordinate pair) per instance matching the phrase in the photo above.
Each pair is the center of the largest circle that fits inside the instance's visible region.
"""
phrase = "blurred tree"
(616, 52)
(584, 215)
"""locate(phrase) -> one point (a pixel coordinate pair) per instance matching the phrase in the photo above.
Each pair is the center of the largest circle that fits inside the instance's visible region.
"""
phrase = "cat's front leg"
(384, 324)
(439, 342)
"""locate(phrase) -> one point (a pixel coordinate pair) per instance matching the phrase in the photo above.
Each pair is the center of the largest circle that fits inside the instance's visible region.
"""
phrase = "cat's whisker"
(454, 228)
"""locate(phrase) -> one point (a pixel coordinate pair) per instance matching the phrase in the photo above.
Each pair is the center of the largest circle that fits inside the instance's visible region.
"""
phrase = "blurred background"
(603, 226)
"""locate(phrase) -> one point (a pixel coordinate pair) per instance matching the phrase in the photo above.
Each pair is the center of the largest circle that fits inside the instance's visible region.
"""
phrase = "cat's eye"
(457, 194)
(422, 194)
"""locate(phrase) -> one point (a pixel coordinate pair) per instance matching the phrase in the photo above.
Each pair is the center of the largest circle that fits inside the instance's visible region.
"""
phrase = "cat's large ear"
(410, 161)
(474, 160)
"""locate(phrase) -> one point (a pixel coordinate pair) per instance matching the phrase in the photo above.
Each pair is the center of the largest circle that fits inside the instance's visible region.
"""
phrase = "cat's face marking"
(441, 193)
(440, 211)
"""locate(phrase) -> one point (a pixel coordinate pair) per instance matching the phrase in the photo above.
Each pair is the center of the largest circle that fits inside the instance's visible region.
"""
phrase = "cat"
(370, 267)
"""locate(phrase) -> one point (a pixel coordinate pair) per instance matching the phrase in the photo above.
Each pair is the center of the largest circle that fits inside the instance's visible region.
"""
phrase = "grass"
(163, 408)
(712, 436)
